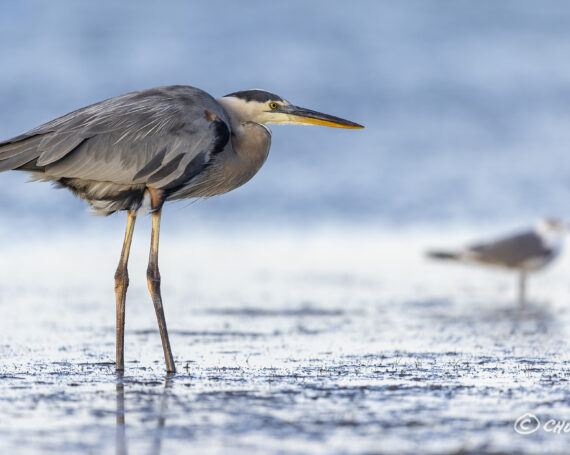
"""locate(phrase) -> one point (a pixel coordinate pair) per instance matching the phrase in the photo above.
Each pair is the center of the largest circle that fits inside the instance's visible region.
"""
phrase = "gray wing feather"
(55, 146)
(512, 251)
(125, 140)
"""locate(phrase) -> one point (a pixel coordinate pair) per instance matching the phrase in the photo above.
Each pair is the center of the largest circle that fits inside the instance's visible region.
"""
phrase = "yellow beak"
(309, 117)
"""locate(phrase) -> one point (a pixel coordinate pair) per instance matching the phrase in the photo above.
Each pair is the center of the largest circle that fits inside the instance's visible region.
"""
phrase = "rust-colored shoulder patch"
(209, 116)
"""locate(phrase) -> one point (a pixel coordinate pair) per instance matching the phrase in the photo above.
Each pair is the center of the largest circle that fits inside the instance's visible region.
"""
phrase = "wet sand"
(320, 343)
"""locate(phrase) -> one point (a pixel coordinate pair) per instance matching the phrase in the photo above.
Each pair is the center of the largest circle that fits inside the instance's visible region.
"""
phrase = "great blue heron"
(138, 150)
(525, 252)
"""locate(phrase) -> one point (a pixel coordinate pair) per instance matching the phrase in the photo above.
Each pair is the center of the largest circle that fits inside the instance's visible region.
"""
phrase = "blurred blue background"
(466, 104)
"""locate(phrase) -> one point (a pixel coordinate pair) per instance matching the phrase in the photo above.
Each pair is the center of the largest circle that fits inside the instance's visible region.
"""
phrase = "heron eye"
(273, 105)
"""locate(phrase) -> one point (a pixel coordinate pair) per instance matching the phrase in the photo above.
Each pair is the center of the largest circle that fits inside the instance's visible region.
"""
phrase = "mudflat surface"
(319, 343)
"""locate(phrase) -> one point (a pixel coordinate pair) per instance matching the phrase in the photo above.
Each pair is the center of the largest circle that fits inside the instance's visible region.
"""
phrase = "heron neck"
(235, 111)
(250, 140)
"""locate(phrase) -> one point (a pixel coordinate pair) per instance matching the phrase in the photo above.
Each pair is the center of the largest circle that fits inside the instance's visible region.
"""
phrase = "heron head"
(552, 225)
(260, 106)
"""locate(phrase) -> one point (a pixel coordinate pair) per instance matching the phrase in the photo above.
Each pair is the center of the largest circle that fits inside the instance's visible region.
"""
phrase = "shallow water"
(285, 343)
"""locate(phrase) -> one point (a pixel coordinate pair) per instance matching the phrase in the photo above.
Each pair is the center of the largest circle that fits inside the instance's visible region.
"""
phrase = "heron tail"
(13, 155)
(445, 255)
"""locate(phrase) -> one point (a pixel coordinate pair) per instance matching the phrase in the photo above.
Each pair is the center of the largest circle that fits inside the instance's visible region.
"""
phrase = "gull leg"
(153, 279)
(522, 288)
(121, 284)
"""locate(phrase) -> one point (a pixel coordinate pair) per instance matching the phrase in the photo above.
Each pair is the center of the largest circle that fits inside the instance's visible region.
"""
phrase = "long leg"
(522, 288)
(121, 284)
(153, 279)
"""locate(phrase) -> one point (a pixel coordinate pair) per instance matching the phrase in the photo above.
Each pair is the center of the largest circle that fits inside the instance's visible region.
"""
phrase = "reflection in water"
(157, 441)
(121, 435)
